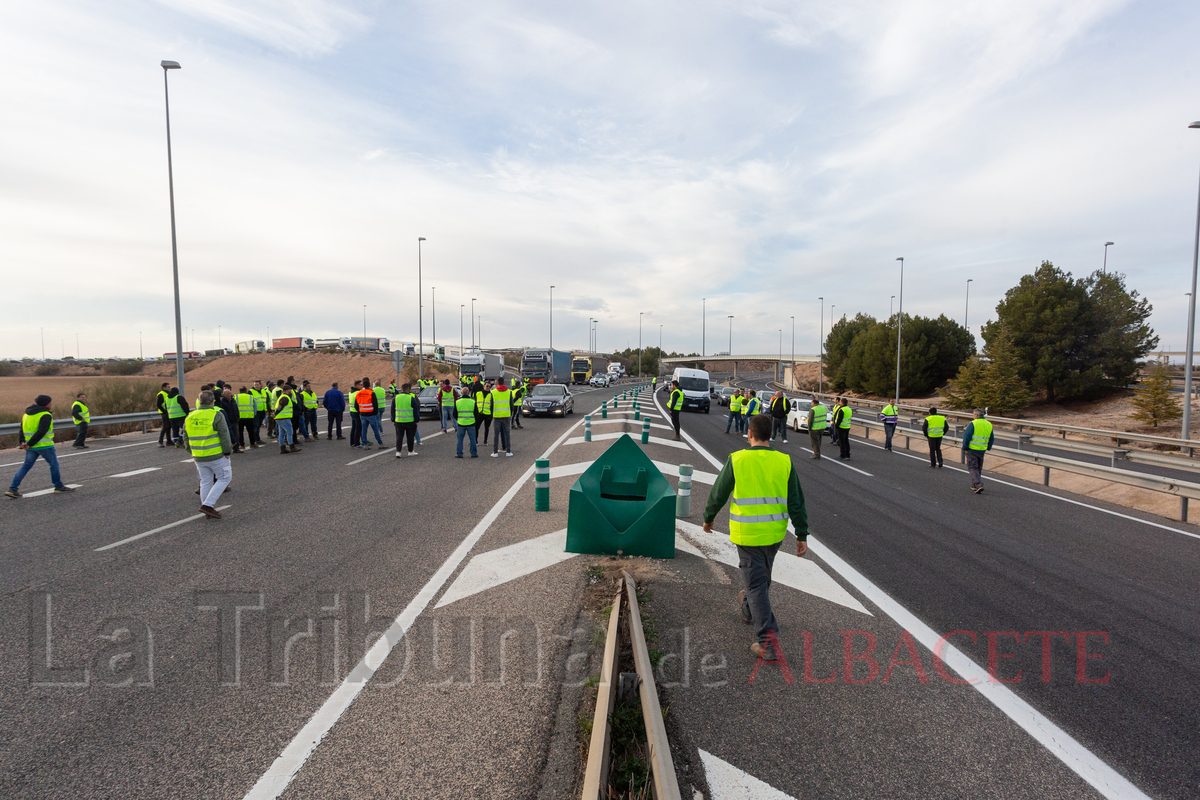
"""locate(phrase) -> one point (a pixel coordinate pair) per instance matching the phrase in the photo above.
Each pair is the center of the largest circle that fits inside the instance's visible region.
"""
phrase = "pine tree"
(1153, 401)
(1002, 390)
(962, 392)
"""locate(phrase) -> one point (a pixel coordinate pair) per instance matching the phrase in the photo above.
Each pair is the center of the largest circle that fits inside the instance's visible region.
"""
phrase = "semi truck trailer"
(585, 365)
(292, 343)
(252, 346)
(542, 365)
(488, 366)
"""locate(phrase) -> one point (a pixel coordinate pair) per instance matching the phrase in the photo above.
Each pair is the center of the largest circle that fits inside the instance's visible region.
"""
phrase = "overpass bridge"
(781, 362)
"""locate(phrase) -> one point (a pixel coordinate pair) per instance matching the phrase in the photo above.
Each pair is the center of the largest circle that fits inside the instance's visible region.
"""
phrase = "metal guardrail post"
(595, 776)
(1045, 476)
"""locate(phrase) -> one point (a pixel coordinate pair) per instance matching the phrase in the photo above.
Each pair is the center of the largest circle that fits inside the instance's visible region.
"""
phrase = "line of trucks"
(543, 365)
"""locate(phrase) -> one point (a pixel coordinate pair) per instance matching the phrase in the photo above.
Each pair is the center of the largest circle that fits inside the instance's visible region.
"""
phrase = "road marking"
(1054, 496)
(188, 461)
(600, 437)
(802, 574)
(840, 463)
(388, 450)
(727, 782)
(89, 452)
(668, 470)
(135, 472)
(637, 422)
(1078, 758)
(281, 772)
(496, 567)
(41, 492)
(168, 526)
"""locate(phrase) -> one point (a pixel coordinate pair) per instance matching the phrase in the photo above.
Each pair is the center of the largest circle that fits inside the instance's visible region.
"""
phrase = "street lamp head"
(901, 258)
(1194, 125)
(420, 238)
(171, 65)
(1106, 244)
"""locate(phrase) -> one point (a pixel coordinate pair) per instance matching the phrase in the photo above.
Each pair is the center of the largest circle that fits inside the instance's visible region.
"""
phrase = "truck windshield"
(694, 384)
(581, 366)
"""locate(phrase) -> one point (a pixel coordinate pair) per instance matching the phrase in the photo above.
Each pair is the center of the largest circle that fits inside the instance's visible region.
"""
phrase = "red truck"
(293, 343)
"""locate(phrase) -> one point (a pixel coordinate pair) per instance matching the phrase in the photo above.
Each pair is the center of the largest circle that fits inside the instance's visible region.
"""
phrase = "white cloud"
(301, 27)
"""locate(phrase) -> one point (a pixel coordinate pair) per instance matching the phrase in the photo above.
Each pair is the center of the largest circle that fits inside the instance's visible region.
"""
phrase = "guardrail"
(1185, 490)
(112, 419)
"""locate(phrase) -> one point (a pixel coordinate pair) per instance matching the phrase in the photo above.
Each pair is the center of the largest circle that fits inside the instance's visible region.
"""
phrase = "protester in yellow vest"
(735, 412)
(37, 440)
(976, 441)
(406, 411)
(82, 416)
(210, 442)
(766, 493)
(501, 400)
(464, 421)
(818, 421)
(934, 428)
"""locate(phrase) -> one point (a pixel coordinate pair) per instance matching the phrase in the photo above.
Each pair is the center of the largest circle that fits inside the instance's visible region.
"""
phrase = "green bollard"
(637, 414)
(587, 428)
(683, 498)
(541, 484)
(646, 432)
(604, 412)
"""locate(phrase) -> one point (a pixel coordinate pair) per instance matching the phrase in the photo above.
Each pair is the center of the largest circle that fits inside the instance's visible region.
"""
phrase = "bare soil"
(17, 393)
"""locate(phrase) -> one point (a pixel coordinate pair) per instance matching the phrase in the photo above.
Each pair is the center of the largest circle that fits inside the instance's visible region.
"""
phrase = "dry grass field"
(16, 394)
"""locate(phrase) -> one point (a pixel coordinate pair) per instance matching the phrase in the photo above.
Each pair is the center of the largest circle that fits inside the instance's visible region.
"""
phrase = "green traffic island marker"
(541, 484)
(622, 505)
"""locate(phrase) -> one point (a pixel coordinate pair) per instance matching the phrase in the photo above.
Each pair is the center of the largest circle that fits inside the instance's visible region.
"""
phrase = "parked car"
(724, 393)
(552, 399)
(797, 418)
(428, 401)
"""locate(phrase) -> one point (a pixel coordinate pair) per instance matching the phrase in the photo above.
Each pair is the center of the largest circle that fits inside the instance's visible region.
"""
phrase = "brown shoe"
(210, 512)
(763, 651)
(295, 449)
(283, 449)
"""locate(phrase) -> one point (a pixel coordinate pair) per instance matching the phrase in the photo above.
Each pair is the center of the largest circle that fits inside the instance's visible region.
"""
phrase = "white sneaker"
(397, 454)
(495, 455)
(413, 453)
(509, 455)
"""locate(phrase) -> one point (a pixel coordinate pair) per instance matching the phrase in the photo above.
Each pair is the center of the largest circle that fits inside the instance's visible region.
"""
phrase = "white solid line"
(1078, 758)
(188, 461)
(280, 774)
(388, 450)
(695, 445)
(135, 472)
(600, 437)
(156, 530)
(89, 452)
(41, 492)
(1053, 496)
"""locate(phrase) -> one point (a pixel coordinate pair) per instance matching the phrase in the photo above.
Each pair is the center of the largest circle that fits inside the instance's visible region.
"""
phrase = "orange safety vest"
(366, 401)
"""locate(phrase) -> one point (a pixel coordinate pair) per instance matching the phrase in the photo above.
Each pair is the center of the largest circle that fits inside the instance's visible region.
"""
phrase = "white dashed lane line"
(135, 472)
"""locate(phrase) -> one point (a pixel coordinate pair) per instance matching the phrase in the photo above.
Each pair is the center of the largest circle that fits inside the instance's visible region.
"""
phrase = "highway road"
(222, 658)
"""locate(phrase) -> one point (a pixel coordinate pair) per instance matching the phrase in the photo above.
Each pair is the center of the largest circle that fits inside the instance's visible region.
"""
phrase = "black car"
(724, 393)
(551, 399)
(428, 401)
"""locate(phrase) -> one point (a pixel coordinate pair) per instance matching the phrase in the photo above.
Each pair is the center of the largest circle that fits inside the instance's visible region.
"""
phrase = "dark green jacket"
(723, 488)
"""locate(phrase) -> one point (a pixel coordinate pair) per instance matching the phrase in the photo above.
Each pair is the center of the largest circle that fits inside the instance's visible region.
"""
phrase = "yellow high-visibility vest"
(758, 507)
(84, 413)
(29, 426)
(203, 439)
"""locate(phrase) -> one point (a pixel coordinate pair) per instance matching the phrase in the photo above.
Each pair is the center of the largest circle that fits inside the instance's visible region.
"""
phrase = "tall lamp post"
(703, 322)
(420, 318)
(166, 66)
(472, 322)
(659, 370)
(779, 372)
(1186, 431)
(891, 306)
(731, 336)
(433, 308)
(552, 316)
(1105, 267)
(821, 356)
(967, 307)
(364, 320)
(640, 344)
(461, 308)
(793, 367)
(899, 327)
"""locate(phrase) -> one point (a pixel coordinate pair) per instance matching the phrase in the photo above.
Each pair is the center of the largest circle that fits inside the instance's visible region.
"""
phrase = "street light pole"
(899, 327)
(364, 321)
(793, 381)
(779, 372)
(169, 65)
(659, 370)
(967, 308)
(703, 322)
(420, 320)
(461, 306)
(1186, 430)
(552, 316)
(731, 336)
(891, 306)
(433, 308)
(821, 357)
(640, 344)
(1105, 267)
(472, 322)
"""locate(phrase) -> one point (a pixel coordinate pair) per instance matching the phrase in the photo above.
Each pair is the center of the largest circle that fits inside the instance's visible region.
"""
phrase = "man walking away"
(464, 421)
(37, 439)
(446, 398)
(675, 406)
(934, 428)
(750, 410)
(177, 409)
(260, 410)
(160, 403)
(82, 416)
(841, 419)
(889, 416)
(518, 394)
(283, 422)
(779, 412)
(501, 399)
(818, 420)
(735, 412)
(355, 417)
(310, 411)
(208, 438)
(977, 440)
(484, 410)
(335, 405)
(765, 493)
(273, 391)
(229, 409)
(369, 415)
(405, 410)
(245, 423)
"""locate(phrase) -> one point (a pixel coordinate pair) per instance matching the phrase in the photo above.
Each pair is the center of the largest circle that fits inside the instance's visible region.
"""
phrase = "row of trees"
(860, 354)
(650, 358)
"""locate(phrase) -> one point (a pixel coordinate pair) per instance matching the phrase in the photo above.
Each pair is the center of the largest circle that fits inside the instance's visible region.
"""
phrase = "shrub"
(123, 368)
(6, 368)
(43, 370)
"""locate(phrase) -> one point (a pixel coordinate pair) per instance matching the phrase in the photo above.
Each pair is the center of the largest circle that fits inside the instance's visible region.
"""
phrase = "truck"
(616, 369)
(585, 365)
(340, 343)
(220, 351)
(293, 343)
(366, 343)
(449, 352)
(187, 354)
(542, 365)
(252, 346)
(488, 366)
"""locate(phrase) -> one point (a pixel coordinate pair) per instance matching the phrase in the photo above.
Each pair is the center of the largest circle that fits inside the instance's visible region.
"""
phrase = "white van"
(694, 384)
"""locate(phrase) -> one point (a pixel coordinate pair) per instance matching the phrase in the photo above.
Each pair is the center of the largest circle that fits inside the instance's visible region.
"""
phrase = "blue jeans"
(30, 457)
(283, 429)
(889, 428)
(371, 423)
(733, 417)
(469, 432)
(447, 413)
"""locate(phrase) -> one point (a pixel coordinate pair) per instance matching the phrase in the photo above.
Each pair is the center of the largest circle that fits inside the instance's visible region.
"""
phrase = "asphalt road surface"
(226, 658)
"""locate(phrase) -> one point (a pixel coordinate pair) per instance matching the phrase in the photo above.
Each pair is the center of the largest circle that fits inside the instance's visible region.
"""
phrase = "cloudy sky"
(640, 156)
